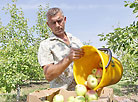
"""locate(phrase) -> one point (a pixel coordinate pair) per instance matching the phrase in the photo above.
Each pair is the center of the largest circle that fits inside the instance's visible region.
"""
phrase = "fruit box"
(105, 95)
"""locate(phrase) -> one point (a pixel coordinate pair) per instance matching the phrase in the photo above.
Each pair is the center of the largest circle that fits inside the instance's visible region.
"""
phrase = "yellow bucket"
(112, 68)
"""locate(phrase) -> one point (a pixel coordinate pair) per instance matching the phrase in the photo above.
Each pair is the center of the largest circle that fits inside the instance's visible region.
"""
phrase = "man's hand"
(75, 53)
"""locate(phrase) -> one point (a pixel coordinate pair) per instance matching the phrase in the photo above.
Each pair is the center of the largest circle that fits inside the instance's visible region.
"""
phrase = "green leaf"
(132, 5)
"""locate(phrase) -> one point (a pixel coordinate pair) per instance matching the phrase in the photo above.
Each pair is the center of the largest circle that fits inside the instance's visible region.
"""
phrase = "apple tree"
(19, 46)
(124, 43)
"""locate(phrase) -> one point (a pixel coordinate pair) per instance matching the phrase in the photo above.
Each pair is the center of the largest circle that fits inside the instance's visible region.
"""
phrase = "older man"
(57, 53)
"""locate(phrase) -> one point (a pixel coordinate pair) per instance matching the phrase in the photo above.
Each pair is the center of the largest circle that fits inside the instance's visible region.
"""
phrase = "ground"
(122, 94)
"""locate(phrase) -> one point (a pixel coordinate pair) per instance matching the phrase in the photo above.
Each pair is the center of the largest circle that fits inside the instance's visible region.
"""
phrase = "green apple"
(100, 65)
(46, 101)
(71, 99)
(80, 99)
(91, 95)
(94, 70)
(85, 83)
(90, 76)
(80, 90)
(58, 98)
(92, 82)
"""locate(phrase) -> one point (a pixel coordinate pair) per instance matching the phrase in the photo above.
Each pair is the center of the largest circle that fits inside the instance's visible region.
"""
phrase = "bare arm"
(52, 71)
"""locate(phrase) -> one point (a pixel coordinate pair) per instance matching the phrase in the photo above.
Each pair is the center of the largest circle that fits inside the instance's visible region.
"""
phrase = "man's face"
(57, 24)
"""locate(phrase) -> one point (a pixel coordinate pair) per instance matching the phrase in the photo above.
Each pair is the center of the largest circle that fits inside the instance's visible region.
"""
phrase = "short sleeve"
(76, 43)
(79, 43)
(44, 55)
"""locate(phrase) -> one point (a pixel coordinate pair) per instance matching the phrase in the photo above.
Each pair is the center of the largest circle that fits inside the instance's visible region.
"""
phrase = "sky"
(85, 18)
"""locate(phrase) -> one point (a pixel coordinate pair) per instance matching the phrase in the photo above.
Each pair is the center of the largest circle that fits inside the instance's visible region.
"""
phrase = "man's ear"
(65, 19)
(47, 23)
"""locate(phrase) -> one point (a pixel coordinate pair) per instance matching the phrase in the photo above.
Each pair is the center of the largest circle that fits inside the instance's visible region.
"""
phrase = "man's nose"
(57, 24)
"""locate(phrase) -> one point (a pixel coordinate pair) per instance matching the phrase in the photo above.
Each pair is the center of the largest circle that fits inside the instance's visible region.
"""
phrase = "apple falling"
(99, 73)
(58, 98)
(91, 95)
(80, 90)
(94, 70)
(100, 65)
(79, 99)
(92, 82)
(99, 80)
(85, 84)
(46, 101)
(71, 99)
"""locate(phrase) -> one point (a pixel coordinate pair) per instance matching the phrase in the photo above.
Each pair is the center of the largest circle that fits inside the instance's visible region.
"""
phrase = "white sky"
(85, 18)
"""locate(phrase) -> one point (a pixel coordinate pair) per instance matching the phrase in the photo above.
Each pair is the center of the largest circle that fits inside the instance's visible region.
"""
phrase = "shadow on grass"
(124, 88)
(118, 92)
(25, 90)
(128, 88)
(12, 98)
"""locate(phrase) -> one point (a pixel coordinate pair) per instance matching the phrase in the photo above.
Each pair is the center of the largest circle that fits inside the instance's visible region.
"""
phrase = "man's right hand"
(75, 53)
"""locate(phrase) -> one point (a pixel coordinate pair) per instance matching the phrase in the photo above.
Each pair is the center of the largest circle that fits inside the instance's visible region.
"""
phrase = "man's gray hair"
(53, 11)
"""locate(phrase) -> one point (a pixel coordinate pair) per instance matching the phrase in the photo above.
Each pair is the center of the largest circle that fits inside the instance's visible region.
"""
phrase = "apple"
(58, 98)
(99, 80)
(46, 101)
(80, 90)
(71, 99)
(99, 73)
(90, 75)
(80, 99)
(94, 70)
(85, 83)
(91, 95)
(92, 82)
(100, 65)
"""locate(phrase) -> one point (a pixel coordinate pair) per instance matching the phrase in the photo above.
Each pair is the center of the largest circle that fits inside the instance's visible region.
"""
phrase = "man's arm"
(52, 71)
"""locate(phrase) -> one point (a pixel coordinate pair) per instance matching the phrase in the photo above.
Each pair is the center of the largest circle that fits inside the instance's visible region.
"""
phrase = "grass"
(117, 89)
(123, 89)
(25, 90)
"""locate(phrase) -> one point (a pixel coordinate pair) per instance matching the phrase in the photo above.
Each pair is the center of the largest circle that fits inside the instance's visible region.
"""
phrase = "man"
(57, 53)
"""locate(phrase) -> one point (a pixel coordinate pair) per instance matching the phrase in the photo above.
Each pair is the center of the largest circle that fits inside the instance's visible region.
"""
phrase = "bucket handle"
(110, 54)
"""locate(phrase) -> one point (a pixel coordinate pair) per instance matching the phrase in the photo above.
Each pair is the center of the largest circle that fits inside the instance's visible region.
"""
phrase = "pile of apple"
(85, 93)
(94, 78)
